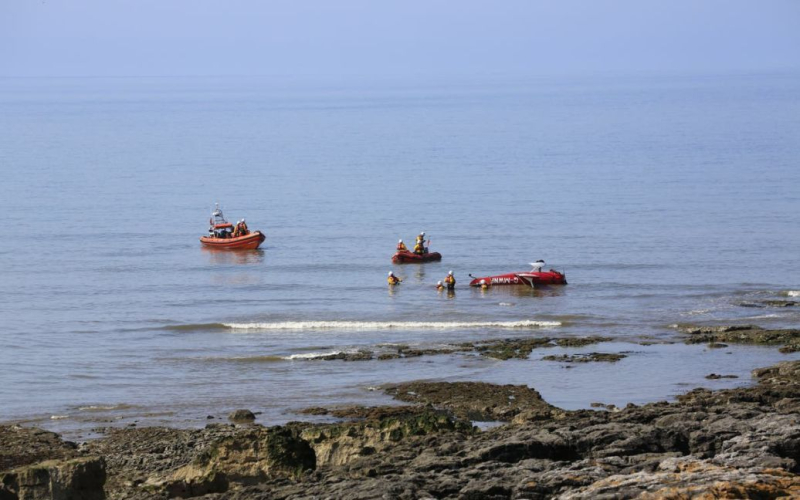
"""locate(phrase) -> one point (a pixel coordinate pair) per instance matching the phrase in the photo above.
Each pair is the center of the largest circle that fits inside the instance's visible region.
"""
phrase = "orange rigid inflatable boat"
(221, 235)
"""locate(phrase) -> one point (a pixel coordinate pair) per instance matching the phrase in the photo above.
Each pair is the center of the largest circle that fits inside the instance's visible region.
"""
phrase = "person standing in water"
(450, 281)
(392, 279)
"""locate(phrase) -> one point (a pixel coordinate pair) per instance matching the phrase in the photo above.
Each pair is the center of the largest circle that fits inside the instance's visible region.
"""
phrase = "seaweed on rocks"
(742, 334)
(606, 357)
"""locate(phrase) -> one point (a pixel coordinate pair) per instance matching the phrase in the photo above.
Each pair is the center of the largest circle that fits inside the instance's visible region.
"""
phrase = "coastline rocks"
(770, 303)
(245, 458)
(586, 358)
(76, 478)
(475, 400)
(382, 428)
(242, 416)
(502, 349)
(734, 443)
(743, 334)
(24, 446)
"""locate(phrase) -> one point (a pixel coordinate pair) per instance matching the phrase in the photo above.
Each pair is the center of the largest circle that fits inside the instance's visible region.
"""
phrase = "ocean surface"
(666, 199)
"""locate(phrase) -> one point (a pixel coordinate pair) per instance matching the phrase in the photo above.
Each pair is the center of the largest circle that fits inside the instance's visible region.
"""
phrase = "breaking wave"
(793, 293)
(388, 325)
(314, 355)
(121, 406)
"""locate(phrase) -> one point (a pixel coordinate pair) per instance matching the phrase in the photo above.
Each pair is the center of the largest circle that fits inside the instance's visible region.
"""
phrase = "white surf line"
(385, 325)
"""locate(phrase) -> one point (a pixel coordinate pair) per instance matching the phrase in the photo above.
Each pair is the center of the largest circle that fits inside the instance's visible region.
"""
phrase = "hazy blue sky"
(382, 37)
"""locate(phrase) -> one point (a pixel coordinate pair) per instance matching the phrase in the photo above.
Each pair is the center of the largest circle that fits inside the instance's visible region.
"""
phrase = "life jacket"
(450, 279)
(401, 247)
(393, 280)
(419, 249)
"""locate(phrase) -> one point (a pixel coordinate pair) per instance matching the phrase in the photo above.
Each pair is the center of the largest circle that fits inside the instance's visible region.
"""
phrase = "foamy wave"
(313, 355)
(697, 312)
(762, 316)
(58, 417)
(793, 293)
(103, 407)
(386, 325)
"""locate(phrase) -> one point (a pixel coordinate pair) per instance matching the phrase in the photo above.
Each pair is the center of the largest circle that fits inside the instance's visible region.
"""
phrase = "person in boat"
(419, 247)
(401, 247)
(392, 279)
(245, 231)
(450, 280)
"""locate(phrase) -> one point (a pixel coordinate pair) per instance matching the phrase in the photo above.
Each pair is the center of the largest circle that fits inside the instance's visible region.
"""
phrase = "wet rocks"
(511, 348)
(770, 303)
(605, 357)
(502, 349)
(716, 376)
(743, 334)
(475, 400)
(242, 416)
(362, 355)
(735, 443)
(581, 341)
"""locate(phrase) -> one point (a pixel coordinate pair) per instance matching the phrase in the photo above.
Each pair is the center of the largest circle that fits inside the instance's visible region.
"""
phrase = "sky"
(318, 38)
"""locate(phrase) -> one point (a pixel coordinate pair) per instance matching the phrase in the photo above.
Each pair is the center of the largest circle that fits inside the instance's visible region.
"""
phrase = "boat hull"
(412, 258)
(248, 242)
(530, 279)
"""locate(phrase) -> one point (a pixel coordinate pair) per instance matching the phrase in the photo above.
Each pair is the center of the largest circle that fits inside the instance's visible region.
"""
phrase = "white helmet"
(391, 273)
(400, 241)
(450, 273)
(483, 282)
(422, 233)
(438, 282)
(242, 220)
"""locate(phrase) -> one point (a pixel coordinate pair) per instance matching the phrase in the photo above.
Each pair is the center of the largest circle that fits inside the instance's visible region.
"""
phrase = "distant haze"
(385, 38)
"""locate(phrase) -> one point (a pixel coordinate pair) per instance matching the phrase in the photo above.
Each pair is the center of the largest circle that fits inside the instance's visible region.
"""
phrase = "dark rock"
(241, 416)
(733, 443)
(473, 400)
(581, 341)
(25, 446)
(315, 410)
(512, 348)
(586, 358)
(362, 355)
(715, 376)
(743, 334)
(75, 478)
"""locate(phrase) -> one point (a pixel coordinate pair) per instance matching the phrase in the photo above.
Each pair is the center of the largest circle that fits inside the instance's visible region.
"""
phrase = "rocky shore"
(734, 443)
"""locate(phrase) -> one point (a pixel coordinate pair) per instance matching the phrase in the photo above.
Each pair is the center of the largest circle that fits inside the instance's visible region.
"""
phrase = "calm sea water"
(666, 200)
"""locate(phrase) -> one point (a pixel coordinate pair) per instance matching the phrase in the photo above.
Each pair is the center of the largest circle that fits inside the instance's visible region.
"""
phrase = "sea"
(666, 199)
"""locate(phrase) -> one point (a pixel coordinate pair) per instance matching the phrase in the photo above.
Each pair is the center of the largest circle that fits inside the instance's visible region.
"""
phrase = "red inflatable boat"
(247, 242)
(532, 278)
(413, 258)
(221, 234)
